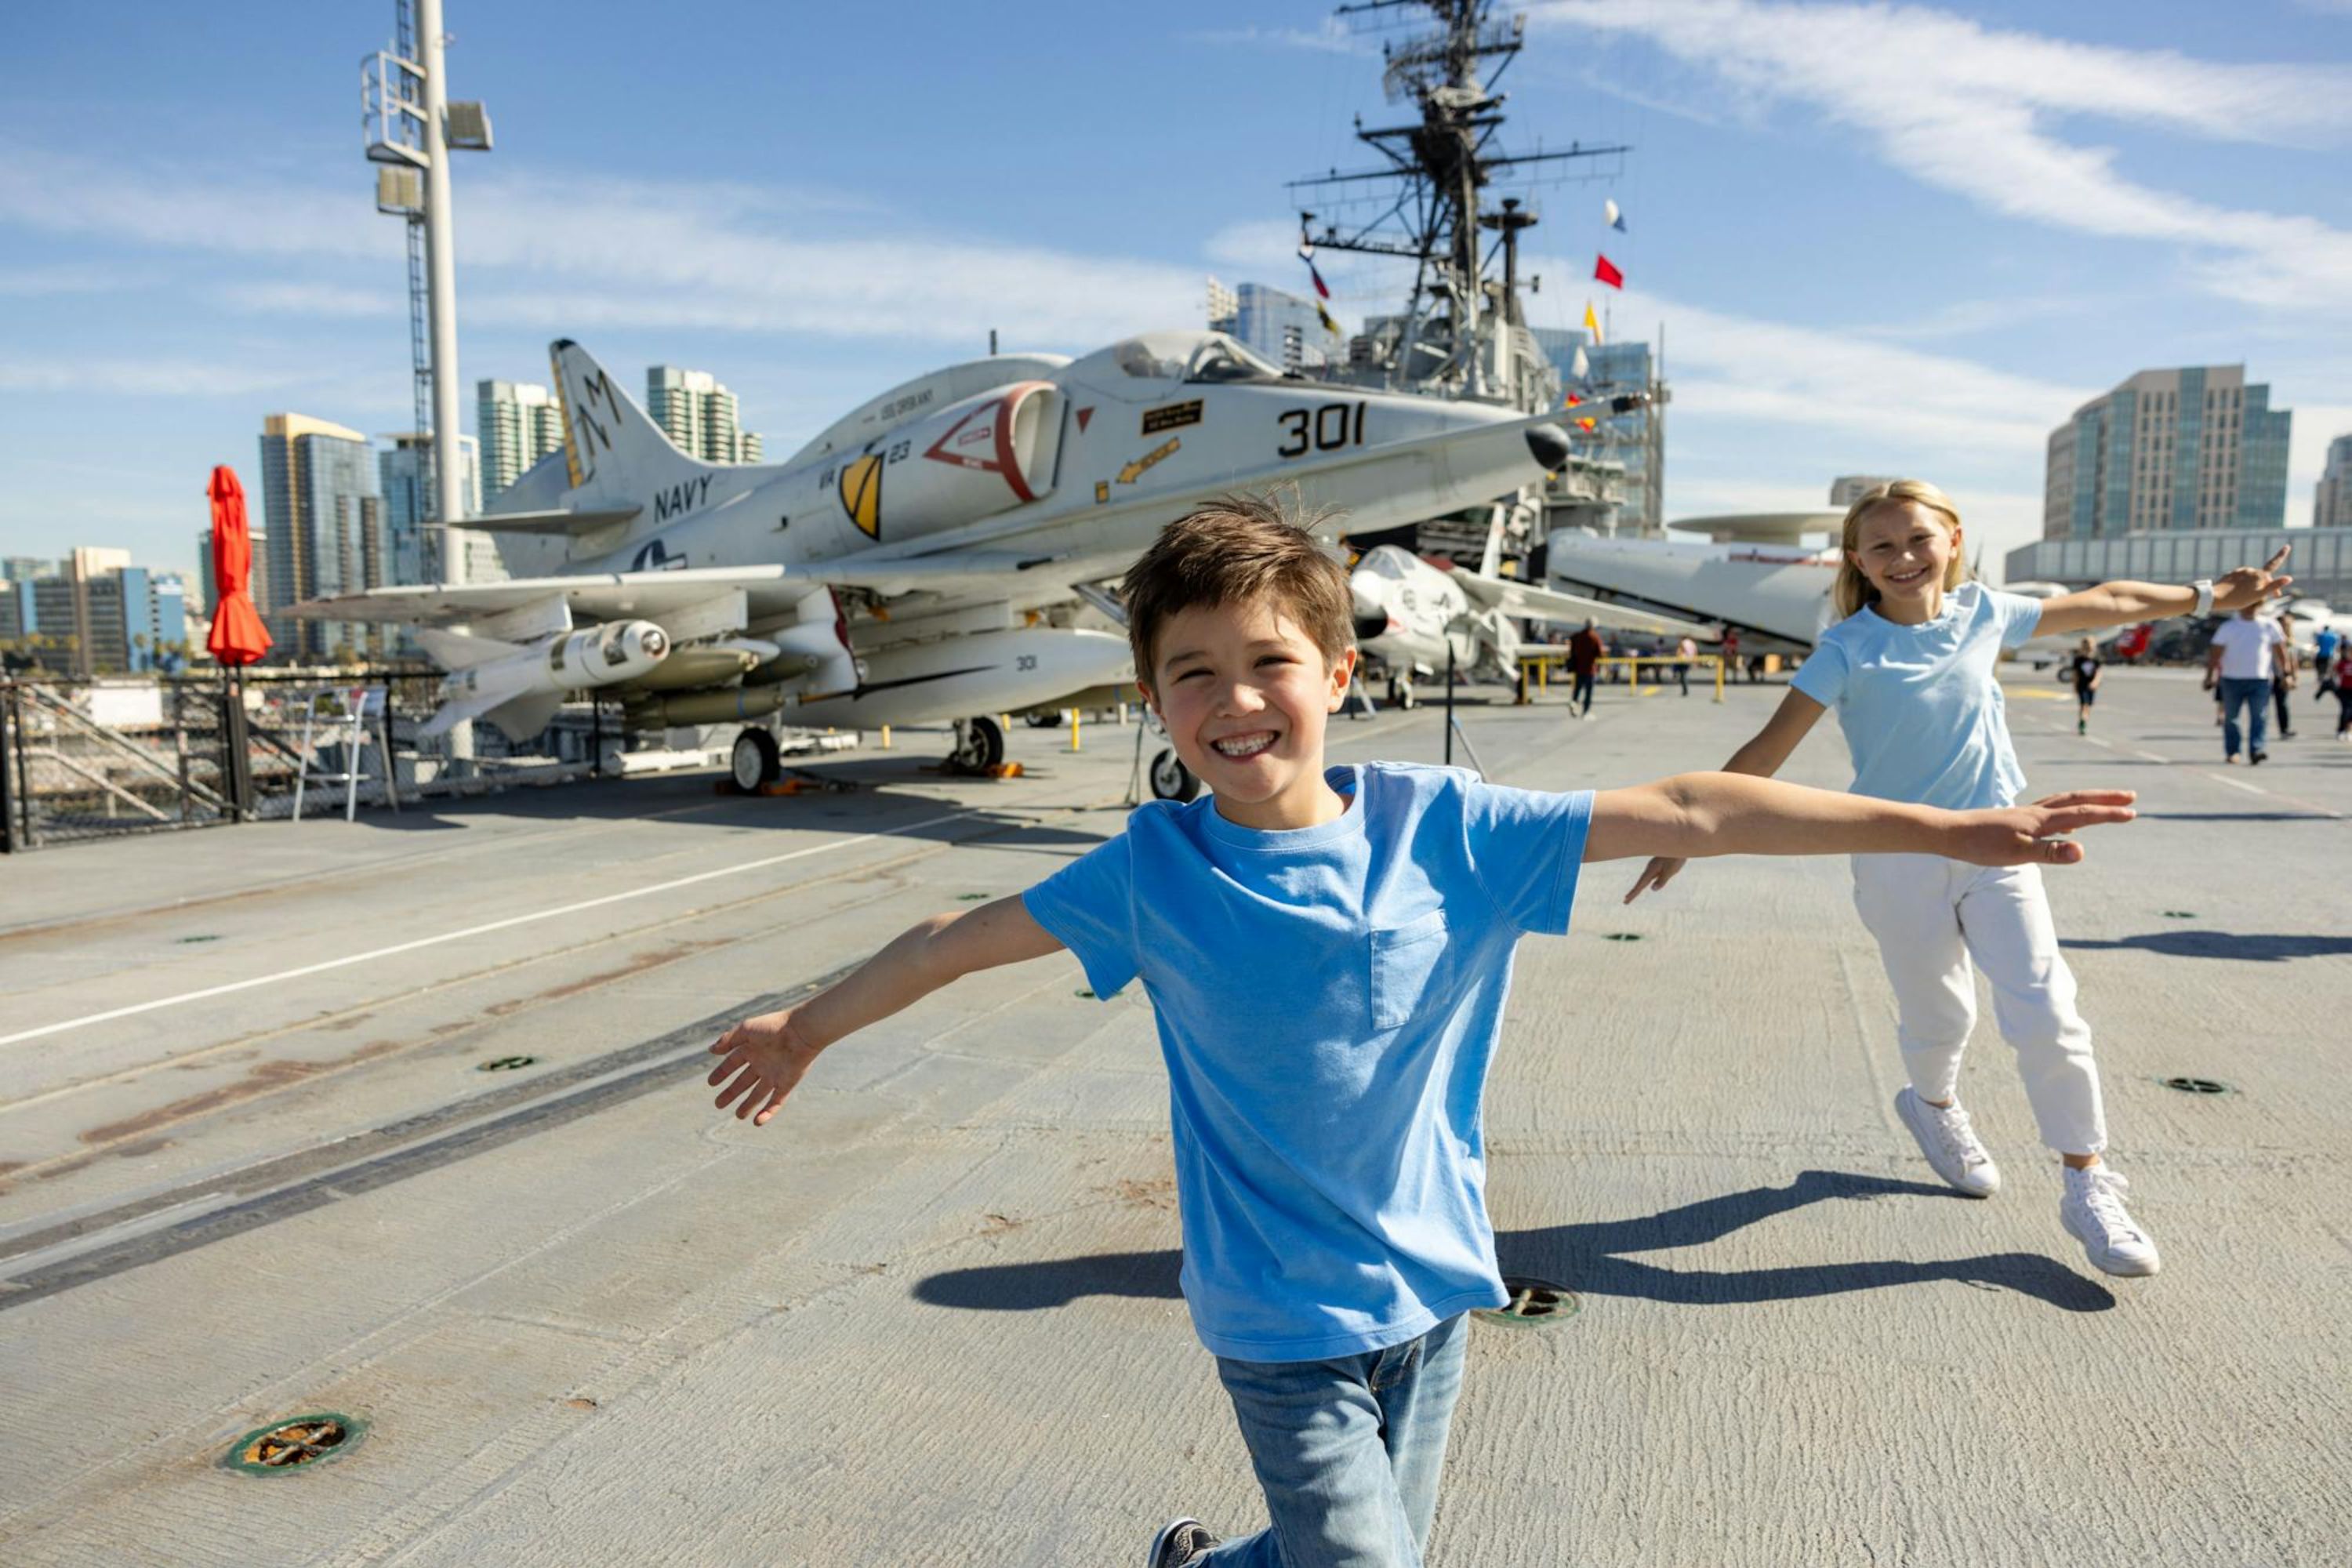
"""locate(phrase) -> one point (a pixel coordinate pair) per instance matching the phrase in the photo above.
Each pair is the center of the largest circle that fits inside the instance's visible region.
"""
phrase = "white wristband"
(2204, 587)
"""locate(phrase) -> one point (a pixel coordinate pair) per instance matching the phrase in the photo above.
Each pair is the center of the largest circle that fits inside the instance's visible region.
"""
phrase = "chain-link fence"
(84, 760)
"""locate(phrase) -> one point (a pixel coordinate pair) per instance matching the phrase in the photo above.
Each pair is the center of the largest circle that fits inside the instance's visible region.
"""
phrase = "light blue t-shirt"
(1920, 705)
(1327, 998)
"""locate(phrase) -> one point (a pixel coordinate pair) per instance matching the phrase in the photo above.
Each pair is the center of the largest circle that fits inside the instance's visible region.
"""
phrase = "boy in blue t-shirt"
(1327, 951)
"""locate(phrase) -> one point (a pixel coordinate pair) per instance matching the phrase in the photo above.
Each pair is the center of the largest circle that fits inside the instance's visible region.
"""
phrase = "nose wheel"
(1171, 779)
(1400, 692)
(754, 762)
(979, 744)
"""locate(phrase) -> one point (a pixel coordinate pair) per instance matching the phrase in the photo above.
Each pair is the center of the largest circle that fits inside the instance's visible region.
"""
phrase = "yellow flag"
(1592, 323)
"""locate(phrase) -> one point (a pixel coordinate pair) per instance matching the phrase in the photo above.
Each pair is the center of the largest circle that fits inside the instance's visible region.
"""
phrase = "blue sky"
(1905, 239)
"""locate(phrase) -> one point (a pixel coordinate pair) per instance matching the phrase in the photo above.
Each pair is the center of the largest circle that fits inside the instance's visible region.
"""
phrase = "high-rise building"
(325, 531)
(95, 613)
(1277, 327)
(518, 423)
(412, 554)
(1224, 306)
(2168, 450)
(2331, 504)
(699, 414)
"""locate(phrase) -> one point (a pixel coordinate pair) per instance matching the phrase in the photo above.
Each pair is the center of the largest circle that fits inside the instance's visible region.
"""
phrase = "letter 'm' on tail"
(615, 454)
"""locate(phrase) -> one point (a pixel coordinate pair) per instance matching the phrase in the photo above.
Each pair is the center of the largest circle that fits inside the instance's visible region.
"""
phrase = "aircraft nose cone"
(1549, 444)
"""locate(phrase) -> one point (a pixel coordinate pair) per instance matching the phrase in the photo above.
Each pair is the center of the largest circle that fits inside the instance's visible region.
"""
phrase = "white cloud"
(139, 378)
(622, 252)
(293, 299)
(1974, 110)
(1333, 38)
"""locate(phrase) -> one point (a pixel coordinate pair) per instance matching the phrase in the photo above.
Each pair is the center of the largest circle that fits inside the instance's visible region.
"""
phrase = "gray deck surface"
(929, 1316)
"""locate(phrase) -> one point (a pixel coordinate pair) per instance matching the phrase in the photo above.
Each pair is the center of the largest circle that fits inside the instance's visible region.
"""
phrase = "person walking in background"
(2282, 678)
(1685, 651)
(2323, 663)
(2085, 670)
(2342, 681)
(1729, 650)
(1584, 663)
(2238, 665)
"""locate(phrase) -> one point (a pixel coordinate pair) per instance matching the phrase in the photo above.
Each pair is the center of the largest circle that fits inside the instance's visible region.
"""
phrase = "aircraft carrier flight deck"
(401, 1124)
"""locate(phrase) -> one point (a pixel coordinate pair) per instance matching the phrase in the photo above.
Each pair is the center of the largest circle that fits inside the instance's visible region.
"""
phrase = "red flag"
(237, 635)
(1321, 287)
(1606, 270)
(1573, 400)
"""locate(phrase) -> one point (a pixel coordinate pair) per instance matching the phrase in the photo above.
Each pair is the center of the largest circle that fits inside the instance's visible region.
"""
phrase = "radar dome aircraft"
(926, 557)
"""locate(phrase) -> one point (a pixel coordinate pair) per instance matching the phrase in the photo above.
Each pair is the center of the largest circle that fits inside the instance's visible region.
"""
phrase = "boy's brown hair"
(1231, 551)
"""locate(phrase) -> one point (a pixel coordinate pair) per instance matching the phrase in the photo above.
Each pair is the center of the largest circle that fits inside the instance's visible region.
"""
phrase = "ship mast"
(1456, 337)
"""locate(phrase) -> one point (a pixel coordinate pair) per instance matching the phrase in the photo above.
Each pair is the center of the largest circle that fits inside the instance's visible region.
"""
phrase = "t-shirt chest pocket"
(1406, 961)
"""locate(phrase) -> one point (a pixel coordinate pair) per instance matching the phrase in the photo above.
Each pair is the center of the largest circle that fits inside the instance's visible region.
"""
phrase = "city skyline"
(1909, 240)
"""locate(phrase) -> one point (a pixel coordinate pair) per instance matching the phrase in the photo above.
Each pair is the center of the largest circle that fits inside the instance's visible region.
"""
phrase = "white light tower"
(412, 128)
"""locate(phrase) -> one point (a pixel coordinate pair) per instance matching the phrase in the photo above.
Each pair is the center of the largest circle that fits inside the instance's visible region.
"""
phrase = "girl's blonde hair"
(1854, 590)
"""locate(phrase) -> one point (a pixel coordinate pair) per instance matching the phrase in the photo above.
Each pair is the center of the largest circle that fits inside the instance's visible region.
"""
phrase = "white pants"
(1930, 916)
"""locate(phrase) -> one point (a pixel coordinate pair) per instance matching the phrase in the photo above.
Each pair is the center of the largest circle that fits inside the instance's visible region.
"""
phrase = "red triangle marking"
(1084, 415)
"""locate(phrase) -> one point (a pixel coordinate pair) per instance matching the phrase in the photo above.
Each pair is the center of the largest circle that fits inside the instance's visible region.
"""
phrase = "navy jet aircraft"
(925, 558)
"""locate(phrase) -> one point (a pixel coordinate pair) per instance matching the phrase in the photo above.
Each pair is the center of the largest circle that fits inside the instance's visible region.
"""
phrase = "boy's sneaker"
(2092, 1213)
(1180, 1541)
(1949, 1143)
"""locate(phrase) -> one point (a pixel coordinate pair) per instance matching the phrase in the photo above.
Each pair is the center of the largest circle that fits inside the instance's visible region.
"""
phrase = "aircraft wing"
(1527, 600)
(610, 596)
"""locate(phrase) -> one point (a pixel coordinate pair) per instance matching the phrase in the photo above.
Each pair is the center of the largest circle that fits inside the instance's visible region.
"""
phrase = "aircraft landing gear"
(754, 762)
(979, 746)
(1400, 693)
(1171, 779)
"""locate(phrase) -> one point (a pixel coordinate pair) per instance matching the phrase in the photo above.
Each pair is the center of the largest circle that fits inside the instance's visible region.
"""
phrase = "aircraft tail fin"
(613, 451)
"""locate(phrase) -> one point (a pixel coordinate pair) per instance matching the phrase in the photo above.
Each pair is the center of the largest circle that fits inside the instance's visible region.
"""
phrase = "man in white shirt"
(2243, 657)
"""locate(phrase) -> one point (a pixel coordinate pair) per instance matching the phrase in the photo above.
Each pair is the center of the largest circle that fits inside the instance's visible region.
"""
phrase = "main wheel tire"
(754, 762)
(1171, 779)
(1043, 719)
(982, 745)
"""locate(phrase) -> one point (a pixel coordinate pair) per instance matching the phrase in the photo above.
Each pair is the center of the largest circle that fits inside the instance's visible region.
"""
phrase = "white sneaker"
(2092, 1213)
(1949, 1143)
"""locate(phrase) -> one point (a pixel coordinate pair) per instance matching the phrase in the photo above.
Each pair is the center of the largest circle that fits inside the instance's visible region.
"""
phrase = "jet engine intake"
(972, 460)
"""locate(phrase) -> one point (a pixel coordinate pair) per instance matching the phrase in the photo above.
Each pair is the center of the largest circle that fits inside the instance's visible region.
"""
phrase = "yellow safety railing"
(1537, 669)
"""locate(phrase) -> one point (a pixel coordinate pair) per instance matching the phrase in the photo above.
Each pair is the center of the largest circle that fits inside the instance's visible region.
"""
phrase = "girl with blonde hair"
(1910, 668)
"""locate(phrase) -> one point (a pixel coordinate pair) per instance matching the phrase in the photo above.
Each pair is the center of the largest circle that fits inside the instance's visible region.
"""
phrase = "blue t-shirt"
(1327, 998)
(1920, 705)
(2325, 643)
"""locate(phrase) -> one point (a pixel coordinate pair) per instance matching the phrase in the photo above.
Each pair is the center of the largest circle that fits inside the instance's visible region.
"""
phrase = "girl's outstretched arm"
(1729, 814)
(766, 1055)
(1761, 757)
(2122, 602)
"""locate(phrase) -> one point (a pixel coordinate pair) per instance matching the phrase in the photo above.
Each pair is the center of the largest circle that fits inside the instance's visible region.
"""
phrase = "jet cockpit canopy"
(1148, 366)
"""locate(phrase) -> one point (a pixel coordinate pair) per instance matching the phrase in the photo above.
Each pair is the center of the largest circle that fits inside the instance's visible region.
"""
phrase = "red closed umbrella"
(237, 637)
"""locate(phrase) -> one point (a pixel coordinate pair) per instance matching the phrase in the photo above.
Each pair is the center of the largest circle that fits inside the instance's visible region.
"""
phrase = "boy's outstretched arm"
(766, 1055)
(1691, 815)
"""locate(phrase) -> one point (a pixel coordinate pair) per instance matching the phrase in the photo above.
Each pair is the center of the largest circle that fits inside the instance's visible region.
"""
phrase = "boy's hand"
(765, 1056)
(2028, 834)
(1656, 874)
(2252, 584)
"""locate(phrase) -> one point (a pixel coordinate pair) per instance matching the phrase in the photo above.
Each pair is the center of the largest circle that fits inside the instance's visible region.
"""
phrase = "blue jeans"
(1348, 1451)
(2237, 694)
